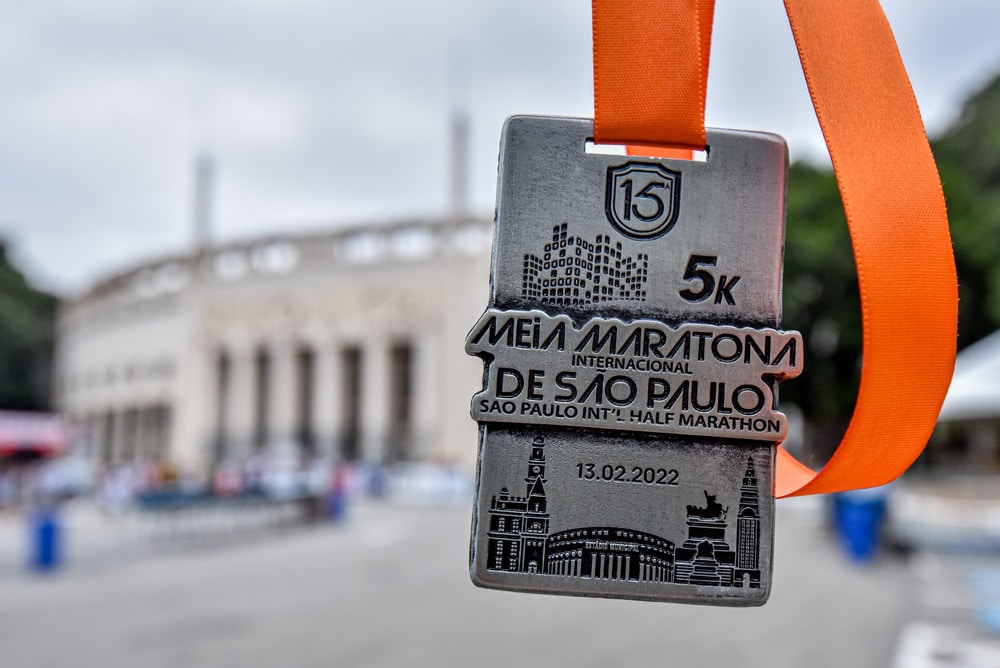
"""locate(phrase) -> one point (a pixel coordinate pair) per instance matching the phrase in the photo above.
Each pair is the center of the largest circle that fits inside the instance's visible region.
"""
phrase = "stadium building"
(346, 344)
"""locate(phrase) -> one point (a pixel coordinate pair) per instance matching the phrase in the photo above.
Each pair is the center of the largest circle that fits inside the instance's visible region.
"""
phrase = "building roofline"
(174, 265)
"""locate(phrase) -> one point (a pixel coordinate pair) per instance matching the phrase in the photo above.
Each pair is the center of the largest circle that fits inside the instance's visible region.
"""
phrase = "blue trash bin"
(858, 518)
(45, 543)
(336, 506)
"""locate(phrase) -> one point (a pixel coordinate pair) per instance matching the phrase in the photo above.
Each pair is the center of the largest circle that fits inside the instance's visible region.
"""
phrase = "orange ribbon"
(649, 89)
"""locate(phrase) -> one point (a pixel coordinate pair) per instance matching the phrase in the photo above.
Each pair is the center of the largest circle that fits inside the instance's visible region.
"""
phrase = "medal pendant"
(628, 417)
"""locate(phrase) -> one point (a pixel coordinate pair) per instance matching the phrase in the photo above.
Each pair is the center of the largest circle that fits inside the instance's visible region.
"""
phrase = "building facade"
(347, 344)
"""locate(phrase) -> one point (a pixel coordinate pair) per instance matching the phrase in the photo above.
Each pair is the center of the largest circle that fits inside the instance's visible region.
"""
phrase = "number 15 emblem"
(642, 199)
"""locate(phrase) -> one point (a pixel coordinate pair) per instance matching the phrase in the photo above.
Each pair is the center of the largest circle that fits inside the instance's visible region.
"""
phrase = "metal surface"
(628, 417)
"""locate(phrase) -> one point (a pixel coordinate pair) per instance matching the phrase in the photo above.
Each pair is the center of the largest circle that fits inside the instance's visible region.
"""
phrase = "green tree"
(821, 290)
(27, 318)
(821, 301)
(968, 157)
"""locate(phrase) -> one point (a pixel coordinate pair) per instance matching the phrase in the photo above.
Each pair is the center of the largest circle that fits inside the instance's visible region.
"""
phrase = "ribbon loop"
(649, 90)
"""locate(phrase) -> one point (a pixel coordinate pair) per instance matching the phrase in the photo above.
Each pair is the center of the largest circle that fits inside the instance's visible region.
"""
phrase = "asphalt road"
(389, 587)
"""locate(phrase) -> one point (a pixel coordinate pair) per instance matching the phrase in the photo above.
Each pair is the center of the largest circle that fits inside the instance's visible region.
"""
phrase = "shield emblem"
(642, 199)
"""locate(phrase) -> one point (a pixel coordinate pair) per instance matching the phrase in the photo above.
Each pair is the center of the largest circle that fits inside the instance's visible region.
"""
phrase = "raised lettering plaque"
(628, 416)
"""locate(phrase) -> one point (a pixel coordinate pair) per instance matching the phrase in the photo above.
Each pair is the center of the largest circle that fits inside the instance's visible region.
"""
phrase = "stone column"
(424, 395)
(147, 431)
(142, 432)
(104, 451)
(327, 409)
(109, 429)
(118, 435)
(374, 399)
(238, 428)
(191, 437)
(283, 393)
(209, 427)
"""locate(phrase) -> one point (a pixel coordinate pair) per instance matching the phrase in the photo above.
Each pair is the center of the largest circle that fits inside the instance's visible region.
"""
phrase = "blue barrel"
(46, 545)
(858, 519)
(336, 505)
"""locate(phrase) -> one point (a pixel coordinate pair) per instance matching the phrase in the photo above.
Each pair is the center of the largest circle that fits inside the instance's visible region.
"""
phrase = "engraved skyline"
(572, 271)
(520, 540)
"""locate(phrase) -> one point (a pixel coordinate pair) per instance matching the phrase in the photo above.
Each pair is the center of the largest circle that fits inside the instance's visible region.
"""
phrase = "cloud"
(322, 113)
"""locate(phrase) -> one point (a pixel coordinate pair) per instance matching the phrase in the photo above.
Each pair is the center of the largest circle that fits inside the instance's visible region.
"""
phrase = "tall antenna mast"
(459, 165)
(204, 171)
(459, 132)
(203, 200)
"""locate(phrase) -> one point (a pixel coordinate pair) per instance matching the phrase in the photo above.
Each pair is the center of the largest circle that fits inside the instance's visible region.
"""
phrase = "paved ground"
(390, 588)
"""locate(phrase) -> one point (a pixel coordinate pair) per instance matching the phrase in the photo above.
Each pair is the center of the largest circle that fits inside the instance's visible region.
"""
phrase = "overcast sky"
(323, 112)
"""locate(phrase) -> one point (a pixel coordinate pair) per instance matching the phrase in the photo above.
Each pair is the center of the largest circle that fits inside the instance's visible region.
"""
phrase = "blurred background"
(241, 244)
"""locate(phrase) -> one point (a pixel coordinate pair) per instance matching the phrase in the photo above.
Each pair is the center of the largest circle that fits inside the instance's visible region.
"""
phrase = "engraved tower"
(519, 525)
(536, 517)
(748, 531)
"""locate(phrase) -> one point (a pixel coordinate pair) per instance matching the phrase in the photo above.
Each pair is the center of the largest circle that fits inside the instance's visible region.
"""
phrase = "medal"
(628, 416)
(629, 429)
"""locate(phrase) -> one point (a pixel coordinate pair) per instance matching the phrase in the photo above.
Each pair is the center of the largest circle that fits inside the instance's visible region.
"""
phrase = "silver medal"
(628, 417)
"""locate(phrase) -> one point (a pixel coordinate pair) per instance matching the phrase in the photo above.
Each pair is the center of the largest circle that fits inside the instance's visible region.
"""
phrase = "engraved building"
(573, 271)
(519, 525)
(748, 531)
(346, 344)
(611, 554)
